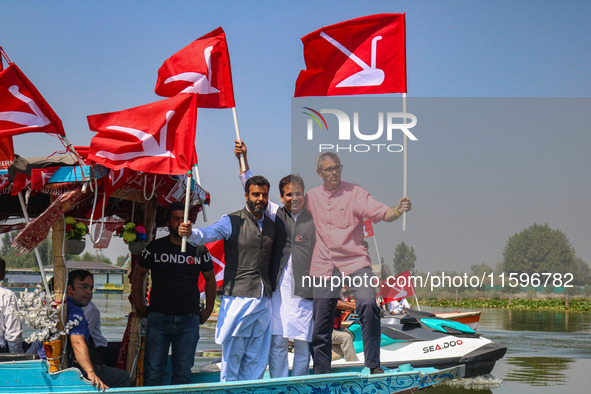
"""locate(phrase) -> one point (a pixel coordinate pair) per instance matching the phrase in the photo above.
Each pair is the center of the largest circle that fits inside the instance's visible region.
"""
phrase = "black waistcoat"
(298, 239)
(248, 256)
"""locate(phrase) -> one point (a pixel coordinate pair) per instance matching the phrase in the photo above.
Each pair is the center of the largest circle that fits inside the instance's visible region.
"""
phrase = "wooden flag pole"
(186, 216)
(242, 165)
(405, 165)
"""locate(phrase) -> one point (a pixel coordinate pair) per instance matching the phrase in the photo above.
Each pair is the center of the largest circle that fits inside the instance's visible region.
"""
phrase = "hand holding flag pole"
(186, 215)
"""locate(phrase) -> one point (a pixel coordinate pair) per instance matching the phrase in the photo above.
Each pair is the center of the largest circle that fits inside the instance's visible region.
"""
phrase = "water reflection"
(539, 371)
(547, 321)
(546, 350)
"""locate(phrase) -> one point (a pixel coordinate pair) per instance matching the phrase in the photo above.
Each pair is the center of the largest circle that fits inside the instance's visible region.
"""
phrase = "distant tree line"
(28, 260)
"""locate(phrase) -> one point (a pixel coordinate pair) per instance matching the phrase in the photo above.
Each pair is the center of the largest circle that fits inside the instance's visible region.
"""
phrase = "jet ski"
(421, 339)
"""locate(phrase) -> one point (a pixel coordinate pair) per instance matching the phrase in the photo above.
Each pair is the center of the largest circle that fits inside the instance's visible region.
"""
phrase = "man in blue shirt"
(79, 291)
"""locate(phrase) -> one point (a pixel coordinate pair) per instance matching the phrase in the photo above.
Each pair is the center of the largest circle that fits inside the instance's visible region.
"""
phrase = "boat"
(471, 318)
(33, 377)
(422, 339)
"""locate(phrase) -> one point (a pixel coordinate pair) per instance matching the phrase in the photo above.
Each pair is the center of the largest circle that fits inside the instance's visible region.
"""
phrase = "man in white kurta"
(243, 327)
(292, 312)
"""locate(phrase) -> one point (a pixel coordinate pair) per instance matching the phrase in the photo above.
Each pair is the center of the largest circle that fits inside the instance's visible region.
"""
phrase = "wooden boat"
(470, 319)
(33, 377)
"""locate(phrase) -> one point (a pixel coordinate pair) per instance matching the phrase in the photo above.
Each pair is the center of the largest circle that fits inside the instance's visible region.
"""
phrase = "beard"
(254, 207)
(174, 231)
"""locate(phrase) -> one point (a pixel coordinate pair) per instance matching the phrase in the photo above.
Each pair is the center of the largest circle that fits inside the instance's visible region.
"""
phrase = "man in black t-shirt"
(173, 314)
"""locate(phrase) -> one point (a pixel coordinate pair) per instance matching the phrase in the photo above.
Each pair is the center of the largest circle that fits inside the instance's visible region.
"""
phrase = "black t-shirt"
(175, 276)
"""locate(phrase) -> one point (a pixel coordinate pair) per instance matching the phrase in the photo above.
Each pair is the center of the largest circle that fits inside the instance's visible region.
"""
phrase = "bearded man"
(243, 327)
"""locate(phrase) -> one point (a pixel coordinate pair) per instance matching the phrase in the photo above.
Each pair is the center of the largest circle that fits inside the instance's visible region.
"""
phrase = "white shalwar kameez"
(243, 328)
(292, 319)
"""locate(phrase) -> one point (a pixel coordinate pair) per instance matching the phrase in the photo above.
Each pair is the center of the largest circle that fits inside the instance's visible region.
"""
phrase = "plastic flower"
(75, 230)
(132, 233)
(38, 310)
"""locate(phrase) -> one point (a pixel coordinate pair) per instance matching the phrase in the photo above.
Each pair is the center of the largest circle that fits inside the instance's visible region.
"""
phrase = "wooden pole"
(60, 274)
(134, 335)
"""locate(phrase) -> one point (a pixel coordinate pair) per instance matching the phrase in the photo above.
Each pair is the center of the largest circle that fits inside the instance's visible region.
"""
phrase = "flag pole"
(377, 250)
(186, 216)
(70, 147)
(242, 165)
(405, 160)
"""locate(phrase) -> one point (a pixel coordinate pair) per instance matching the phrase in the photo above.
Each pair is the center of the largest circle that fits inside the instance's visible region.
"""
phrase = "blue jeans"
(162, 331)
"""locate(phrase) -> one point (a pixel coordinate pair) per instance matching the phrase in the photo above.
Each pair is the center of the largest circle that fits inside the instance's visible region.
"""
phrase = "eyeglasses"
(85, 287)
(330, 170)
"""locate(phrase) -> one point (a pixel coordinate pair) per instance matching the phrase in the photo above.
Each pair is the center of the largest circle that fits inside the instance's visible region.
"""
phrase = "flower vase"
(136, 247)
(74, 246)
(53, 352)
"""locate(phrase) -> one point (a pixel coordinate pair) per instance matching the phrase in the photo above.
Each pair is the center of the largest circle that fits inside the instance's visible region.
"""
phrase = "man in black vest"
(292, 303)
(243, 327)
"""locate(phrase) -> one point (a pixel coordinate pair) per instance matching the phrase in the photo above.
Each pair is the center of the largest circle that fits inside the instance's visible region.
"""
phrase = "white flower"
(38, 310)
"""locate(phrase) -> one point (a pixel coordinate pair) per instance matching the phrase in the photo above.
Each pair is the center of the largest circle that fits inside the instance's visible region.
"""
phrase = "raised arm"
(393, 213)
(222, 229)
(240, 149)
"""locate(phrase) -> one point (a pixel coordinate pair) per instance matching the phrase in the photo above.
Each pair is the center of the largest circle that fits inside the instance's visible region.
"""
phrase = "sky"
(480, 171)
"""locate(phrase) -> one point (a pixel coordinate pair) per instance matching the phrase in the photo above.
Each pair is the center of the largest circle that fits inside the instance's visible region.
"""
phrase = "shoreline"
(536, 304)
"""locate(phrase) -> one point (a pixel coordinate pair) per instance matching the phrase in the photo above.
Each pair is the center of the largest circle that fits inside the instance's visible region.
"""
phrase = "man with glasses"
(338, 209)
(295, 236)
(79, 292)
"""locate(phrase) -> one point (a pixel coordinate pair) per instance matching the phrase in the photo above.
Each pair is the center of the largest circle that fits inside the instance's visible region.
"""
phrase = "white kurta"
(292, 315)
(243, 317)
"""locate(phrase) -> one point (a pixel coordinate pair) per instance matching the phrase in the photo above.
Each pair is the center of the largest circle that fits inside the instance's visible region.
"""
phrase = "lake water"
(548, 352)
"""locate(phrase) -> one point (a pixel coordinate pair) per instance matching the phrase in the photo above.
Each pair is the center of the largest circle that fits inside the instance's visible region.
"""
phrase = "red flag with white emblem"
(202, 67)
(367, 228)
(216, 250)
(158, 138)
(365, 55)
(22, 108)
(397, 287)
(6, 152)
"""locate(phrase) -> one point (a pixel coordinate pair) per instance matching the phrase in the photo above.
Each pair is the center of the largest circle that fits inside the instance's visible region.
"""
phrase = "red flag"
(367, 228)
(22, 108)
(158, 138)
(366, 55)
(6, 152)
(19, 183)
(202, 67)
(216, 250)
(397, 288)
(40, 176)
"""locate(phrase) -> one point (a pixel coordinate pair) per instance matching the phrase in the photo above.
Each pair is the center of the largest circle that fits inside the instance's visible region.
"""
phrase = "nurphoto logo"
(367, 128)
